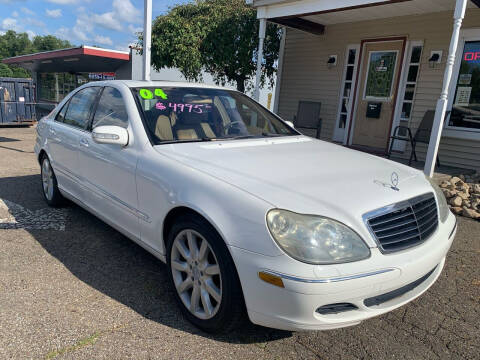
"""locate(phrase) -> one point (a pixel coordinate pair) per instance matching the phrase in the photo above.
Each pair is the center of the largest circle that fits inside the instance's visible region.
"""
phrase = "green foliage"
(219, 36)
(15, 44)
(18, 72)
(176, 39)
(5, 71)
(49, 42)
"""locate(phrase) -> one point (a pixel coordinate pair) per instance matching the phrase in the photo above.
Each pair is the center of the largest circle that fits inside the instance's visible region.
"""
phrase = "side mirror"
(289, 123)
(115, 135)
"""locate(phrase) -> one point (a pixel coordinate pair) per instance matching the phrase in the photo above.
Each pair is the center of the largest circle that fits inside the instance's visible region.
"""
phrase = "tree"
(18, 72)
(15, 44)
(5, 71)
(219, 36)
(49, 42)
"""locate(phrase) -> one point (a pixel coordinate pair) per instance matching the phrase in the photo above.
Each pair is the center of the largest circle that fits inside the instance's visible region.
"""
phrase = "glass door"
(466, 105)
(407, 93)
(346, 94)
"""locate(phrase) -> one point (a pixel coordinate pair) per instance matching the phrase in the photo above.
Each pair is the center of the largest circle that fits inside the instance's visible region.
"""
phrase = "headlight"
(443, 208)
(315, 239)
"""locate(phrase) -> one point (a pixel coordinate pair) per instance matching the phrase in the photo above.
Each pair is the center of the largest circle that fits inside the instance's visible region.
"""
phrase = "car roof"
(159, 83)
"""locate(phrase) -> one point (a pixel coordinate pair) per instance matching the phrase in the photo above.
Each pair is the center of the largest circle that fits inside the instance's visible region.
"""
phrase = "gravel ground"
(84, 291)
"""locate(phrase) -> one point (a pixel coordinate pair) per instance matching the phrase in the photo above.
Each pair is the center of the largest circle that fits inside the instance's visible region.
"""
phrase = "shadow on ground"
(6, 139)
(106, 260)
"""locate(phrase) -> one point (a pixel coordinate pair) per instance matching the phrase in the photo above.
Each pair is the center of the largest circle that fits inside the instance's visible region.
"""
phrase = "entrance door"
(377, 90)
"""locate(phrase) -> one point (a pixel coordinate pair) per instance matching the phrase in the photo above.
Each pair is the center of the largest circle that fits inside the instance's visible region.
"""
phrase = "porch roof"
(314, 15)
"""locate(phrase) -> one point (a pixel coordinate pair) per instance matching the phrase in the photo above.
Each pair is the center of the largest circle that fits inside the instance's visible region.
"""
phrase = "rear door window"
(80, 107)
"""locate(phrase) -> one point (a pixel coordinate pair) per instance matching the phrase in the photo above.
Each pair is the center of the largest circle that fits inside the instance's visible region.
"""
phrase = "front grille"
(403, 225)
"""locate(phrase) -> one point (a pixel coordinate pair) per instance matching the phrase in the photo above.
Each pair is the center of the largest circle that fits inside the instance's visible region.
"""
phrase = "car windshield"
(182, 114)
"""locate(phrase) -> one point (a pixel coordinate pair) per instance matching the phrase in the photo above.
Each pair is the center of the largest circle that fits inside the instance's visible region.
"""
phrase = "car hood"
(304, 175)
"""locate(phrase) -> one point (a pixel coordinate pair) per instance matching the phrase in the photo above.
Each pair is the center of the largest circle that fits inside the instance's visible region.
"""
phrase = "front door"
(377, 90)
(108, 171)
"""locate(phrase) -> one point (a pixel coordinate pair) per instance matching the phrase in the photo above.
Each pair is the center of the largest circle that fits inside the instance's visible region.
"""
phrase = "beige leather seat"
(187, 134)
(207, 129)
(193, 126)
(164, 125)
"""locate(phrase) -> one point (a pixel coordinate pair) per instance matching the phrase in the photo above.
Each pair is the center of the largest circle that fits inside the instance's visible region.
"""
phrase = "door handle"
(84, 142)
(52, 131)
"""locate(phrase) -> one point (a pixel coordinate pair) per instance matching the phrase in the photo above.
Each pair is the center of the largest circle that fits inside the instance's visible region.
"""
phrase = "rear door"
(64, 134)
(109, 170)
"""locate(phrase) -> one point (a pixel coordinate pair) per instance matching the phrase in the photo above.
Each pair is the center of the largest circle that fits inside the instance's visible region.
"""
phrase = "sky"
(105, 23)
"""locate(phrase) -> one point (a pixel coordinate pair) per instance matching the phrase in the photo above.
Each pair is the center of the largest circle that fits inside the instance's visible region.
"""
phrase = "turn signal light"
(271, 279)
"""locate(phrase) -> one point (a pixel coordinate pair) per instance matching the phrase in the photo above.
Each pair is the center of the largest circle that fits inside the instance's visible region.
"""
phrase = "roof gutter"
(269, 9)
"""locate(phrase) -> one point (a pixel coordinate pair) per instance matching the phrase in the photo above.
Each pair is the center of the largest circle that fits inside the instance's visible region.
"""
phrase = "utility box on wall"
(374, 109)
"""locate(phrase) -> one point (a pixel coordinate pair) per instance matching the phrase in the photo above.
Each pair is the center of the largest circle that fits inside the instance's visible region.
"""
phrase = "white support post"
(442, 103)
(147, 39)
(278, 85)
(57, 89)
(261, 40)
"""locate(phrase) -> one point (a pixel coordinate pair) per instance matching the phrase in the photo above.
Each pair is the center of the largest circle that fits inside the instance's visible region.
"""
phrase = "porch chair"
(421, 136)
(308, 117)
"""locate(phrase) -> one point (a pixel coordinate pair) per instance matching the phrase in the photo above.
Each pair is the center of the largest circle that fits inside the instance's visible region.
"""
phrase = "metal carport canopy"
(73, 60)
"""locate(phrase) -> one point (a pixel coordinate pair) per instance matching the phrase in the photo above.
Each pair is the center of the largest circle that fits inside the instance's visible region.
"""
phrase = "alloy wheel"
(196, 274)
(47, 179)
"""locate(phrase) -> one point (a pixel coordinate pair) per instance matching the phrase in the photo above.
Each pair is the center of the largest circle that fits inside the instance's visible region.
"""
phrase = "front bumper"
(309, 287)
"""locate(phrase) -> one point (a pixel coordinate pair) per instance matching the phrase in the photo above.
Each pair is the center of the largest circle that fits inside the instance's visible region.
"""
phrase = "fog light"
(336, 308)
(271, 279)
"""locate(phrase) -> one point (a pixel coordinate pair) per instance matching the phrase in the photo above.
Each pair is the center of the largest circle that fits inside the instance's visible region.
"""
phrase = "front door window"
(111, 109)
(466, 105)
(80, 107)
(381, 71)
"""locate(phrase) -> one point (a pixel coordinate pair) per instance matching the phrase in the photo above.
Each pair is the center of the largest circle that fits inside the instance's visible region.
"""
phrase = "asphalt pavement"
(71, 287)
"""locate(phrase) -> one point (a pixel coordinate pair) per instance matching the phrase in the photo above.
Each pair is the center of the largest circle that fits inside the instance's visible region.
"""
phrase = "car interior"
(217, 118)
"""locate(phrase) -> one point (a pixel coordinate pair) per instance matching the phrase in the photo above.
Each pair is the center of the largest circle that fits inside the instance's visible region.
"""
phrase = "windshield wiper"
(251, 136)
(241, 137)
(267, 134)
(205, 139)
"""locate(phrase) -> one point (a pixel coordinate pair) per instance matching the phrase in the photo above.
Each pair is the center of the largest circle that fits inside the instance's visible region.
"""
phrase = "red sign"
(472, 56)
(102, 76)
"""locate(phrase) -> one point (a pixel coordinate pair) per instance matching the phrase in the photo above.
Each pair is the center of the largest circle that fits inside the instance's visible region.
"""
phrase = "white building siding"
(305, 74)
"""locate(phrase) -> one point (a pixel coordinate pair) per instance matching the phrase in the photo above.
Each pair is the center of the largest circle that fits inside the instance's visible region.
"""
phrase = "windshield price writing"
(181, 107)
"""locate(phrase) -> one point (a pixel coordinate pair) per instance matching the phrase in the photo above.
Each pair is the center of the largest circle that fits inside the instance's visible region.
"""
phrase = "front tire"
(204, 276)
(51, 193)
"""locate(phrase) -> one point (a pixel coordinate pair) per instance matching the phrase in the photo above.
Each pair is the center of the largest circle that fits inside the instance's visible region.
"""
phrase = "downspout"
(261, 40)
(441, 109)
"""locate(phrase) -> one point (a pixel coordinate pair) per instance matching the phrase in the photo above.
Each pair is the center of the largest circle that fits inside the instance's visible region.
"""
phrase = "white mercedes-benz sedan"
(250, 216)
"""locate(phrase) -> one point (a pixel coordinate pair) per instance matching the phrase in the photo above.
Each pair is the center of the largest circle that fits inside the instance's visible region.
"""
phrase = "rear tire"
(204, 277)
(50, 190)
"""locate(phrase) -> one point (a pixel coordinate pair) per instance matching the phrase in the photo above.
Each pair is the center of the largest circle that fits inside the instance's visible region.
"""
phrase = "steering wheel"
(229, 126)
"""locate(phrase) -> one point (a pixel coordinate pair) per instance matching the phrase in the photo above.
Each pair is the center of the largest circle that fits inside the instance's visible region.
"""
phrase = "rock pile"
(463, 195)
